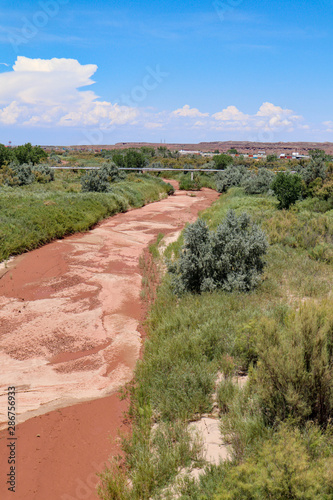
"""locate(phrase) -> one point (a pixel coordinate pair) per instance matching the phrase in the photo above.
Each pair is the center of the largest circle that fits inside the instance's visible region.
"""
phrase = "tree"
(319, 153)
(232, 151)
(29, 154)
(162, 151)
(287, 188)
(135, 159)
(148, 151)
(229, 258)
(271, 159)
(118, 158)
(6, 154)
(222, 161)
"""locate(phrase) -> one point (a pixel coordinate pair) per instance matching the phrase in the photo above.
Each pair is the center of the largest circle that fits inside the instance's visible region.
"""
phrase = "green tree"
(135, 159)
(118, 158)
(148, 151)
(271, 159)
(29, 154)
(287, 188)
(222, 161)
(6, 155)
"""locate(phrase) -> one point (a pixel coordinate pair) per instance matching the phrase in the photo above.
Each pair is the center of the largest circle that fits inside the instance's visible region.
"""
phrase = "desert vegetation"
(247, 295)
(276, 335)
(39, 204)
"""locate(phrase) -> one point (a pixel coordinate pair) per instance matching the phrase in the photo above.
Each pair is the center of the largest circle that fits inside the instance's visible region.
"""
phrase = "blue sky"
(77, 71)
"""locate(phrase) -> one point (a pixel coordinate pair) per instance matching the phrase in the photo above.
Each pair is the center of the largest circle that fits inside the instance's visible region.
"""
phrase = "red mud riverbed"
(69, 340)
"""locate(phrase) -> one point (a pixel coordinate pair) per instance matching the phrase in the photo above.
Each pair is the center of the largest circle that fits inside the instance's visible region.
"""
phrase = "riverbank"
(71, 314)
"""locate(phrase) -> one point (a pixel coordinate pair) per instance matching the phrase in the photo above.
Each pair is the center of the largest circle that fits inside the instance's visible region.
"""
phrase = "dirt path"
(69, 339)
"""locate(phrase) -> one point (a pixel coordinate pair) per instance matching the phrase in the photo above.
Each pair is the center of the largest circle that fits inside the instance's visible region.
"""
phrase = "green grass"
(190, 338)
(205, 179)
(33, 215)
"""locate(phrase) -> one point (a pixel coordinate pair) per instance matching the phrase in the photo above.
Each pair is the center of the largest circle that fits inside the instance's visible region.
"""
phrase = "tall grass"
(32, 217)
(189, 340)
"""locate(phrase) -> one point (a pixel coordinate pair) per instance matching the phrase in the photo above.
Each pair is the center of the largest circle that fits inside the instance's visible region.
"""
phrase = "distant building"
(186, 152)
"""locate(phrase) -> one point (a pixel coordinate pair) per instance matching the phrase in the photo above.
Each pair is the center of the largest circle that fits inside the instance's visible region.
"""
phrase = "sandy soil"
(69, 340)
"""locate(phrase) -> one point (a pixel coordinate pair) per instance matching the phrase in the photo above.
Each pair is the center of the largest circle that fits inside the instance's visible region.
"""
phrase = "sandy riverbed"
(69, 340)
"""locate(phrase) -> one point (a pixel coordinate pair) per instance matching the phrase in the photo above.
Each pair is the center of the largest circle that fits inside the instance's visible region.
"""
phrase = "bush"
(258, 183)
(17, 175)
(294, 373)
(283, 468)
(43, 174)
(230, 177)
(316, 168)
(302, 230)
(55, 158)
(325, 190)
(99, 180)
(287, 188)
(187, 184)
(230, 258)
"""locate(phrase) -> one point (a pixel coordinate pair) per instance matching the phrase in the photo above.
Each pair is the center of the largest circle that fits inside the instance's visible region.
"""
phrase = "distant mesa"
(260, 149)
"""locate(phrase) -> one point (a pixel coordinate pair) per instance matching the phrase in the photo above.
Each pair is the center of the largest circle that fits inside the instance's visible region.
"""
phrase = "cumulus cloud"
(47, 92)
(52, 93)
(188, 112)
(276, 117)
(269, 109)
(231, 113)
(269, 117)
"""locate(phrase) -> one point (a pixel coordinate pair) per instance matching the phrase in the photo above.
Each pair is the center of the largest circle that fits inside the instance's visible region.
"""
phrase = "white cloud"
(276, 117)
(152, 125)
(329, 125)
(269, 109)
(9, 114)
(188, 112)
(231, 113)
(199, 124)
(46, 92)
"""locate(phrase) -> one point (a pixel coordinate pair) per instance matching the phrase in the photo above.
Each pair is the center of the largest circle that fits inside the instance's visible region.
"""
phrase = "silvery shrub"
(230, 258)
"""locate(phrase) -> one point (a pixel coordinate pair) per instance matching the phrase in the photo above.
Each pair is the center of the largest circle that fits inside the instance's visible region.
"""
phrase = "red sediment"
(70, 337)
